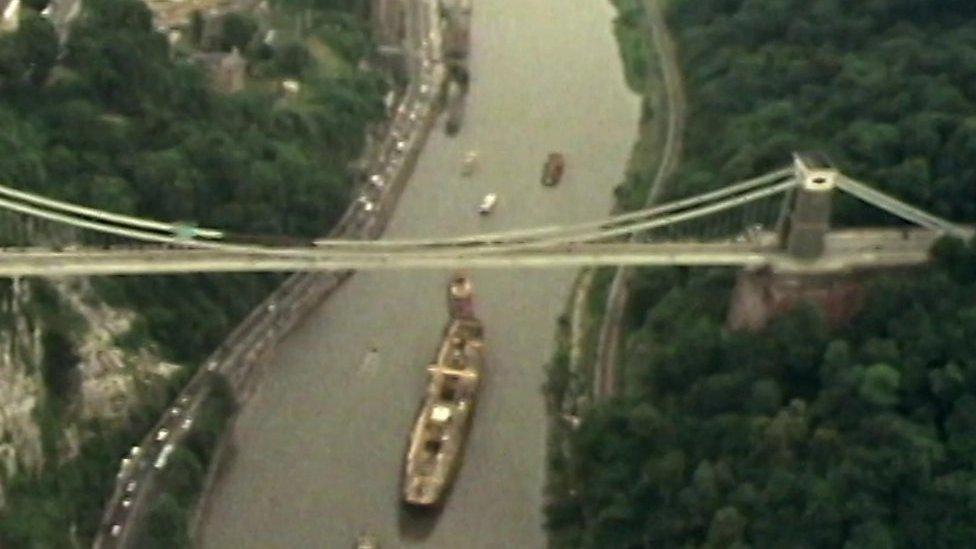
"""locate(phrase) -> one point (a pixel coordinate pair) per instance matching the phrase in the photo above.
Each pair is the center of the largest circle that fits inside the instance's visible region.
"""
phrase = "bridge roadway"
(320, 445)
(844, 249)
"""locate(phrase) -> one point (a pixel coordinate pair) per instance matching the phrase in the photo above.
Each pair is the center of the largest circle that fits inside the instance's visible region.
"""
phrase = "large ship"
(438, 436)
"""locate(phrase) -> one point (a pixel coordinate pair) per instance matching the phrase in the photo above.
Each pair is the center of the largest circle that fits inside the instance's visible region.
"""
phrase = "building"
(9, 15)
(226, 70)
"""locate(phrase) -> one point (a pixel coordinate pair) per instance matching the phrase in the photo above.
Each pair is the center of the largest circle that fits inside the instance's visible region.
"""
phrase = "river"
(319, 448)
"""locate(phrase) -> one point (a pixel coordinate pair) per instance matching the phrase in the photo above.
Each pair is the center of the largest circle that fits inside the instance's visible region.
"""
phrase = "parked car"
(164, 456)
(366, 204)
(124, 467)
(487, 204)
(376, 181)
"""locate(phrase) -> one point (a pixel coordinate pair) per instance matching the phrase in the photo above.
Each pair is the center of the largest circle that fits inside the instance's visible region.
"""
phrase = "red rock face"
(761, 296)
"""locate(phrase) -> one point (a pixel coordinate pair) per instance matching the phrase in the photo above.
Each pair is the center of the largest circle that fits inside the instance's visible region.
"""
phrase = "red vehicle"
(553, 170)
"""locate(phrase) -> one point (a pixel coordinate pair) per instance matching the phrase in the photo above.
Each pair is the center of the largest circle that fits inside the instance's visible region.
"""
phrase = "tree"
(880, 385)
(292, 59)
(165, 524)
(238, 31)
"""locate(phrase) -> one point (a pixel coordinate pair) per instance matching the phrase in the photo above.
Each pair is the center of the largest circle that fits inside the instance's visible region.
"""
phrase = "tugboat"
(437, 439)
(460, 297)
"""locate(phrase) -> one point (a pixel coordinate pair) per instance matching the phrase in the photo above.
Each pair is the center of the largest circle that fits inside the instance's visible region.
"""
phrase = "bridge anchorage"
(779, 220)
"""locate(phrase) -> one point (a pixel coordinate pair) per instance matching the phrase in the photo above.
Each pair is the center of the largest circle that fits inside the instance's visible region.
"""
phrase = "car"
(126, 503)
(487, 204)
(115, 530)
(183, 401)
(175, 411)
(187, 423)
(401, 145)
(211, 365)
(135, 451)
(162, 434)
(130, 488)
(376, 181)
(124, 467)
(366, 204)
(164, 456)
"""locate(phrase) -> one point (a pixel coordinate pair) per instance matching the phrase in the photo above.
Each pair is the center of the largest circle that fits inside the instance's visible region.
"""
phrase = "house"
(9, 15)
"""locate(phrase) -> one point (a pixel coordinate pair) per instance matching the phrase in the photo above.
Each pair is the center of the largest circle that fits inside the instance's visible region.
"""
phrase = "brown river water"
(319, 448)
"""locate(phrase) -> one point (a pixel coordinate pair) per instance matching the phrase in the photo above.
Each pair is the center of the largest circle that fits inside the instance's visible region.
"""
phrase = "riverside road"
(319, 448)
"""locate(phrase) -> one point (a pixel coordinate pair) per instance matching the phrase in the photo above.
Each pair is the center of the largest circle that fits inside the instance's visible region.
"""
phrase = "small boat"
(552, 172)
(460, 297)
(487, 204)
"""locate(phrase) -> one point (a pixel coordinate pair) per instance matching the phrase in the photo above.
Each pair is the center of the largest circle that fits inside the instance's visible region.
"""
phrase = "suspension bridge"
(780, 219)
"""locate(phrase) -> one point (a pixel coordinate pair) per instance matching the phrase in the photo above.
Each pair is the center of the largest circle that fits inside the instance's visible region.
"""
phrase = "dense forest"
(119, 119)
(884, 87)
(860, 435)
(796, 437)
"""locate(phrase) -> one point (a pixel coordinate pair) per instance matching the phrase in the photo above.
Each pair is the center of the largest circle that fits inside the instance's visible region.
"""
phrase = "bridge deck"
(847, 249)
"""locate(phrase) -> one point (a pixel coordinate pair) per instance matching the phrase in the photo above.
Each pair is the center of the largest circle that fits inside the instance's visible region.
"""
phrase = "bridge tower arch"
(806, 227)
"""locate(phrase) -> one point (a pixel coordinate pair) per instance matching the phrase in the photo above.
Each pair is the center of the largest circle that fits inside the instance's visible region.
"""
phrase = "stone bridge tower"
(805, 230)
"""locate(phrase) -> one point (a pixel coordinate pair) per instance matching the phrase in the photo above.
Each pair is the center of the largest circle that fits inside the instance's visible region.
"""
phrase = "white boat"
(487, 203)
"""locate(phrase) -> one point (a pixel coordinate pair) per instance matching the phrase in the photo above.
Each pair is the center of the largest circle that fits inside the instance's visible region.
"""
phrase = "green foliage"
(182, 477)
(165, 525)
(238, 31)
(27, 56)
(884, 87)
(632, 40)
(880, 385)
(292, 59)
(41, 509)
(36, 5)
(181, 481)
(794, 437)
(59, 364)
(121, 124)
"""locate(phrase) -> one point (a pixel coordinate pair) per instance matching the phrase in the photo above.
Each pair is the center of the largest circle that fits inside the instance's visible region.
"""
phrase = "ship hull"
(435, 448)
